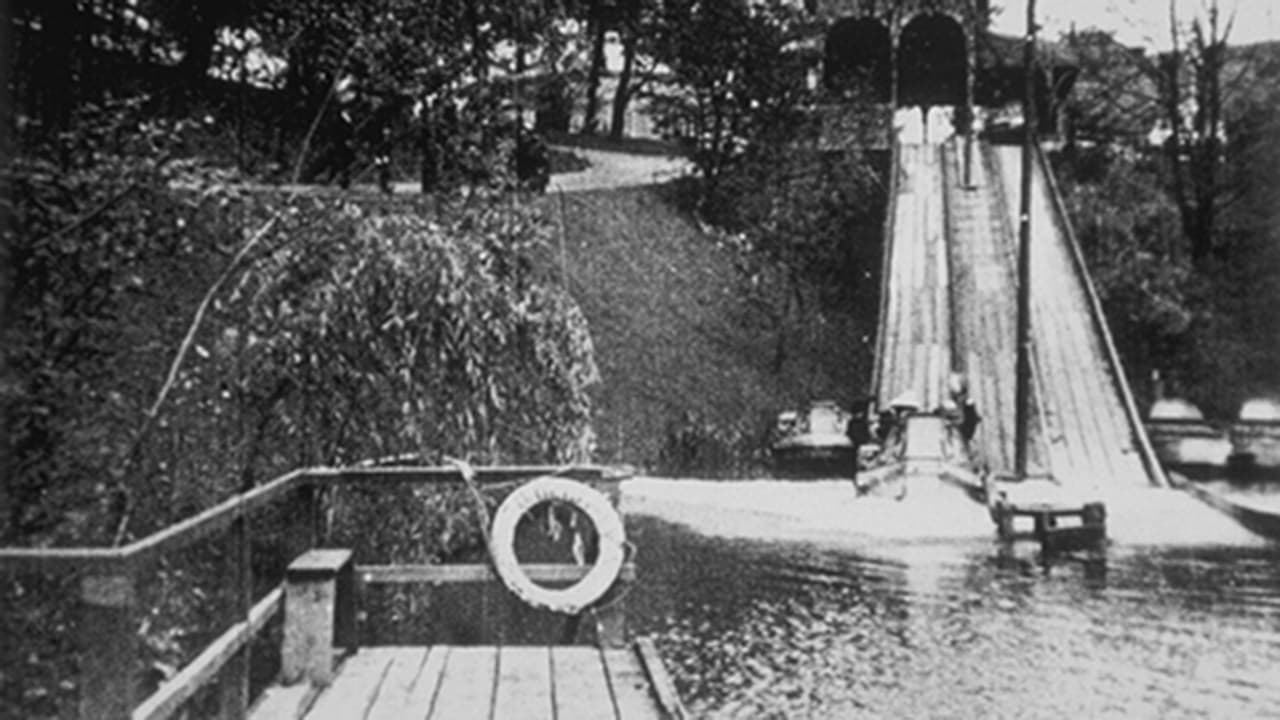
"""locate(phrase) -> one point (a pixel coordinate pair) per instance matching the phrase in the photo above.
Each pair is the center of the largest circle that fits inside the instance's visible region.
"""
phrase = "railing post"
(233, 685)
(319, 614)
(303, 530)
(109, 645)
(611, 622)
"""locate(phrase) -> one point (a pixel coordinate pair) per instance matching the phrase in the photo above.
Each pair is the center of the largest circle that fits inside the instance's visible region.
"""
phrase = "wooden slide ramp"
(1090, 439)
(984, 296)
(916, 329)
(951, 303)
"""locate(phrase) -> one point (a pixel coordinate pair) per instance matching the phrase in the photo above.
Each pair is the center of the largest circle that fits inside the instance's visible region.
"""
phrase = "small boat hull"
(1193, 448)
(808, 457)
(814, 443)
(1263, 519)
(1256, 450)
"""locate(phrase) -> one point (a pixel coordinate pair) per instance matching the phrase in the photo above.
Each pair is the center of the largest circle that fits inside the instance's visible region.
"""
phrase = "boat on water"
(1255, 441)
(1227, 468)
(1250, 505)
(1246, 449)
(814, 442)
(1185, 442)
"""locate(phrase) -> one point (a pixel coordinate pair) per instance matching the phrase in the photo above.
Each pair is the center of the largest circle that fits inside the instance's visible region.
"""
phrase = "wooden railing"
(322, 599)
(949, 238)
(109, 590)
(886, 268)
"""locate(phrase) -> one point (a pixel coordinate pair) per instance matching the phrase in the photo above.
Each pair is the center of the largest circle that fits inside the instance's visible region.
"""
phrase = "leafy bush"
(805, 222)
(694, 446)
(1167, 312)
(367, 336)
(333, 332)
(89, 214)
(734, 88)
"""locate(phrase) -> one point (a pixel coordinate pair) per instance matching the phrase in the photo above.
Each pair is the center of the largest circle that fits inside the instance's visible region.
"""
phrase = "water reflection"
(964, 628)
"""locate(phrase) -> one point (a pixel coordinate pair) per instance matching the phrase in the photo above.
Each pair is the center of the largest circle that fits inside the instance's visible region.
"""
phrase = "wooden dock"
(446, 681)
(326, 674)
(324, 668)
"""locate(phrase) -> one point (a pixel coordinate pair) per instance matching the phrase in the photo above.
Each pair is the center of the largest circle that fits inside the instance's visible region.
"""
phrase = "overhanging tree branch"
(122, 501)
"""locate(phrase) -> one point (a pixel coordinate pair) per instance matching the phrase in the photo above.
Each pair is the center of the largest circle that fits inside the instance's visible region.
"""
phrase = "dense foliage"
(738, 99)
(421, 335)
(1171, 183)
(82, 234)
(432, 84)
(735, 89)
(355, 336)
(1203, 325)
(171, 338)
(804, 222)
(1194, 106)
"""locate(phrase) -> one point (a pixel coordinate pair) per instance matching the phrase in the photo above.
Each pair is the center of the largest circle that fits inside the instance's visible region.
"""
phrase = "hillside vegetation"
(696, 353)
(166, 347)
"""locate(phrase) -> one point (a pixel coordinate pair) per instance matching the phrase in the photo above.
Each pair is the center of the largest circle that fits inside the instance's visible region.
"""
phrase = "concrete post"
(109, 635)
(319, 615)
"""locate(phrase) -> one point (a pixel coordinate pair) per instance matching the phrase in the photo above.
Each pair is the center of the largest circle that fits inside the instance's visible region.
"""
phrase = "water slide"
(913, 353)
(950, 302)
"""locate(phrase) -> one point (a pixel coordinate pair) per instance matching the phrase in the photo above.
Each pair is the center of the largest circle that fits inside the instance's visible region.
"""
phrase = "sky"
(1139, 22)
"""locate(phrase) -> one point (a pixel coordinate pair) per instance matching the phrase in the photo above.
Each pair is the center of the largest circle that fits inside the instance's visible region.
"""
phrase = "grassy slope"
(679, 341)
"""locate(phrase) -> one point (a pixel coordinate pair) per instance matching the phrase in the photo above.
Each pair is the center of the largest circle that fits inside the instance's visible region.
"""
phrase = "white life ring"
(598, 579)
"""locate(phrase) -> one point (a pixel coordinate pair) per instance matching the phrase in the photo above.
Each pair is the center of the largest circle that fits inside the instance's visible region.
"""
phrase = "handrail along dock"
(109, 593)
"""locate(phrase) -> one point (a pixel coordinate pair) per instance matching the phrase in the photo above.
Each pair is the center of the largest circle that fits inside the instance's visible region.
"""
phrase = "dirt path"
(611, 169)
(607, 169)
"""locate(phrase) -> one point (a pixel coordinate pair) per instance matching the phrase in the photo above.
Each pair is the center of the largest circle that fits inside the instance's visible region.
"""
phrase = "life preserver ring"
(599, 578)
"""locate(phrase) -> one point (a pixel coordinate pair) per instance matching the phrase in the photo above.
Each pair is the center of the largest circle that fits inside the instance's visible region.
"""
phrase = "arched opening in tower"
(857, 59)
(931, 62)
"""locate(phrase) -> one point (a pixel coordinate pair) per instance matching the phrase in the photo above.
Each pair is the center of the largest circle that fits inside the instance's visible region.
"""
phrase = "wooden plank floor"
(444, 681)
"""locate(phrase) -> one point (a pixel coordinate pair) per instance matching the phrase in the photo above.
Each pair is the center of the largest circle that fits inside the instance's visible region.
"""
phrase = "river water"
(785, 600)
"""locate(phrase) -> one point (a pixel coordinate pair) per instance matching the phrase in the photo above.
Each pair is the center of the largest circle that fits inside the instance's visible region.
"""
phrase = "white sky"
(1139, 22)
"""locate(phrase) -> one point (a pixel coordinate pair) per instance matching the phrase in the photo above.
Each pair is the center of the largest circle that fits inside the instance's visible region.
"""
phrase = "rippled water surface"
(965, 628)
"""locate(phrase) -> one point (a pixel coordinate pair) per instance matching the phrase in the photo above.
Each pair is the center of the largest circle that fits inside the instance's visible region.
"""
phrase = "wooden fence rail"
(109, 581)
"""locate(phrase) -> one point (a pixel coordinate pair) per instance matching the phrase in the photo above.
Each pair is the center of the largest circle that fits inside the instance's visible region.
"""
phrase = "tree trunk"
(783, 339)
(198, 41)
(479, 49)
(622, 95)
(58, 89)
(1202, 229)
(429, 168)
(593, 77)
(1195, 154)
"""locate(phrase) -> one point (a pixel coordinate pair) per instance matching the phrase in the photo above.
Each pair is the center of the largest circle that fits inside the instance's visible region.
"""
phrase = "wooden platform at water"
(1047, 504)
(449, 681)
